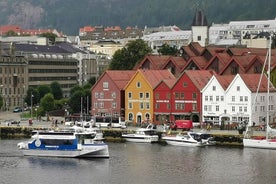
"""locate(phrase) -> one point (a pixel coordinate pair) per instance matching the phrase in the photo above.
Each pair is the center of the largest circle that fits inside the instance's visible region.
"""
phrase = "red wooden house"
(162, 101)
(107, 94)
(186, 95)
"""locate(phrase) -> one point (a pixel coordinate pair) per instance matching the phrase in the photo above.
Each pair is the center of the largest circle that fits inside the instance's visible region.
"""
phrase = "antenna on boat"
(268, 87)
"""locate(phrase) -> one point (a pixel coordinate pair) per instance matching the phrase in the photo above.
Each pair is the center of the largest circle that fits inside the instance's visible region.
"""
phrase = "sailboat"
(268, 142)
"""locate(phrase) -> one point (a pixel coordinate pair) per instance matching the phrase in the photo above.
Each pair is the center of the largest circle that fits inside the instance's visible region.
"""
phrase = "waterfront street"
(48, 124)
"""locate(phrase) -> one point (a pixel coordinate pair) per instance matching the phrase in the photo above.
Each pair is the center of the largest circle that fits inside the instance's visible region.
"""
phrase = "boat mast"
(268, 87)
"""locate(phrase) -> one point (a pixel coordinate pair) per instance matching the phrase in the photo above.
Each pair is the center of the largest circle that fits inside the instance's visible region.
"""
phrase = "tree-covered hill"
(69, 15)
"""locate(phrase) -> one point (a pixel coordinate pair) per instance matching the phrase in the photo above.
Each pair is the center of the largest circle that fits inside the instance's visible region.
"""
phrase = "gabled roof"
(225, 80)
(155, 76)
(223, 60)
(119, 77)
(157, 62)
(242, 61)
(199, 77)
(179, 62)
(252, 82)
(196, 47)
(199, 61)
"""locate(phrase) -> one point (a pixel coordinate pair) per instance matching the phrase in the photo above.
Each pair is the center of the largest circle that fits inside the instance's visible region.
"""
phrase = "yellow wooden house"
(139, 95)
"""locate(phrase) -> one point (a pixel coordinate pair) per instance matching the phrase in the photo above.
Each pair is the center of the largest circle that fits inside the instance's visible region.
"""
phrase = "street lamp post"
(31, 105)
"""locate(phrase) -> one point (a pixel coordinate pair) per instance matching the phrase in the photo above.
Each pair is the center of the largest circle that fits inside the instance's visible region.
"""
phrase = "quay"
(24, 130)
(222, 137)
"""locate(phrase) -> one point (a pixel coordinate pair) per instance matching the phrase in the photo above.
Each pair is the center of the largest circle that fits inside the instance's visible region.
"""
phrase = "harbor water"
(133, 163)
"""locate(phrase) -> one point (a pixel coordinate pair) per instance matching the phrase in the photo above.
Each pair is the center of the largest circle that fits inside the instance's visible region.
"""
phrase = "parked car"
(17, 109)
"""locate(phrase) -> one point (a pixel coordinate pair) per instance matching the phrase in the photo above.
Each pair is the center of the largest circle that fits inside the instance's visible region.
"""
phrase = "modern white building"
(173, 38)
(243, 32)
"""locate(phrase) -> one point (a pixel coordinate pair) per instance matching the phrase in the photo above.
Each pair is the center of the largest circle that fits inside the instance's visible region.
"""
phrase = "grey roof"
(40, 48)
(69, 47)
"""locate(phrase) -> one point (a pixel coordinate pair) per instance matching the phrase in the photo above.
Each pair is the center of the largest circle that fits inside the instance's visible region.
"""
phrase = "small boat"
(192, 139)
(72, 142)
(143, 135)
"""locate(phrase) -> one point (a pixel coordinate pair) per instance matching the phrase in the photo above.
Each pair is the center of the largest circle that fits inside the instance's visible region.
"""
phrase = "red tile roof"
(199, 77)
(120, 77)
(225, 80)
(155, 76)
(252, 82)
(200, 61)
(157, 62)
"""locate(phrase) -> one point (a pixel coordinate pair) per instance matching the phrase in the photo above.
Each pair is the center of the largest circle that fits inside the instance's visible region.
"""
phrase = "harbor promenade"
(8, 116)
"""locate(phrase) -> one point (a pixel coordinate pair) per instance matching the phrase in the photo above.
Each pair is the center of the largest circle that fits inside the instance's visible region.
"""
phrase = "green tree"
(127, 57)
(43, 90)
(50, 36)
(167, 50)
(75, 89)
(32, 96)
(47, 103)
(11, 33)
(56, 90)
(75, 101)
(92, 80)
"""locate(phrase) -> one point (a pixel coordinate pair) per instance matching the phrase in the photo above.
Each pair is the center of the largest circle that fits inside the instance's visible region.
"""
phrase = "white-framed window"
(214, 88)
(241, 98)
(240, 108)
(233, 98)
(194, 106)
(194, 95)
(129, 95)
(205, 108)
(141, 95)
(246, 98)
(113, 94)
(114, 105)
(245, 109)
(96, 95)
(101, 95)
(105, 85)
(238, 88)
(147, 95)
(217, 108)
(147, 105)
(141, 105)
(217, 98)
(233, 108)
(222, 98)
(157, 105)
(138, 85)
(211, 98)
(130, 105)
(206, 98)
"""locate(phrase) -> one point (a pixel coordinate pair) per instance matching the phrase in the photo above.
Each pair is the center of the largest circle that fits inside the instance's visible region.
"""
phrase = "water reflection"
(142, 163)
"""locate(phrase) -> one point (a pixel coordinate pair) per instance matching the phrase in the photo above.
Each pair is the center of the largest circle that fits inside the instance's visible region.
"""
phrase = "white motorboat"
(143, 135)
(269, 141)
(74, 142)
(192, 139)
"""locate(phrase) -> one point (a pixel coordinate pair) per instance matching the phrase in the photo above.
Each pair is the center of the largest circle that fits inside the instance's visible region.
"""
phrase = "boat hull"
(175, 141)
(262, 144)
(140, 138)
(87, 151)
